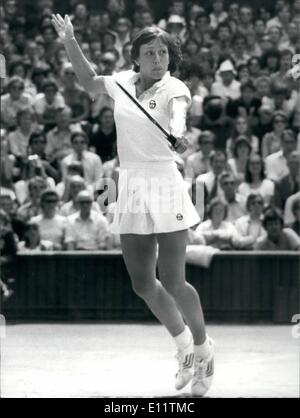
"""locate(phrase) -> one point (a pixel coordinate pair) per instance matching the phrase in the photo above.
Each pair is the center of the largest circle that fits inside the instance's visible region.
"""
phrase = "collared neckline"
(160, 83)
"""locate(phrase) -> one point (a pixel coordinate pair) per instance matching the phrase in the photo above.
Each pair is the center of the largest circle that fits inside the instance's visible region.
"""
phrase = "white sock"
(202, 350)
(183, 340)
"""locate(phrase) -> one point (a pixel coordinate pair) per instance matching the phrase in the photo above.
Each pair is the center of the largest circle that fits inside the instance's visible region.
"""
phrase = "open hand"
(64, 27)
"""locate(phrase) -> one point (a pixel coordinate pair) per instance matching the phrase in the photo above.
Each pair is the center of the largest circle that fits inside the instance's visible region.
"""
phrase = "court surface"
(137, 360)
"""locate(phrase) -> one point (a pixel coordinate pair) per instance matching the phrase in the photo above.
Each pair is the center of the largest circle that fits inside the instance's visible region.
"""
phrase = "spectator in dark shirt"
(103, 138)
(295, 226)
(289, 184)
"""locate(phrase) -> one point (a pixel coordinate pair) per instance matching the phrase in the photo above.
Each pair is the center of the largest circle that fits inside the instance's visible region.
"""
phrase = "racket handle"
(172, 139)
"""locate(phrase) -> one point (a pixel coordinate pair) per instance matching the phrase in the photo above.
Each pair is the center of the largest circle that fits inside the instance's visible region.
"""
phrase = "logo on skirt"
(152, 104)
(179, 217)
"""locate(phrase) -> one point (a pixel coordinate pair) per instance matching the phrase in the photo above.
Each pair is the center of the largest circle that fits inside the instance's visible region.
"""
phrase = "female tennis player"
(153, 207)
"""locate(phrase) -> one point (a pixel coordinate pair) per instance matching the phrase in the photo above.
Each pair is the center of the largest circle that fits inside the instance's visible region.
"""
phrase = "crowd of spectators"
(58, 143)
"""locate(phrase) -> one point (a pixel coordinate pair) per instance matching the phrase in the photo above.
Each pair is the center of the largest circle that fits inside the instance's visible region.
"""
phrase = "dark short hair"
(216, 152)
(49, 192)
(251, 198)
(248, 175)
(272, 214)
(214, 202)
(149, 34)
(49, 83)
(248, 85)
(81, 134)
(290, 133)
(37, 133)
(242, 139)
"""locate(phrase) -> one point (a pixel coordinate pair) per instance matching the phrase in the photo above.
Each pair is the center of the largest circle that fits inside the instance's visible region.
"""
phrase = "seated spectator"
(32, 207)
(254, 67)
(104, 136)
(289, 217)
(8, 249)
(276, 163)
(91, 162)
(227, 87)
(74, 95)
(211, 179)
(126, 58)
(284, 66)
(271, 141)
(213, 119)
(240, 54)
(234, 201)
(192, 135)
(241, 152)
(32, 239)
(282, 98)
(295, 226)
(52, 226)
(270, 59)
(87, 230)
(63, 188)
(256, 181)
(47, 103)
(216, 231)
(9, 206)
(14, 100)
(241, 128)
(247, 105)
(198, 162)
(264, 123)
(8, 169)
(218, 14)
(59, 138)
(18, 140)
(250, 226)
(76, 184)
(278, 238)
(289, 184)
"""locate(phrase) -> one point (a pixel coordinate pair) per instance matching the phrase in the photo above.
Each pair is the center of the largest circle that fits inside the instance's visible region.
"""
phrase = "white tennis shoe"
(203, 373)
(185, 359)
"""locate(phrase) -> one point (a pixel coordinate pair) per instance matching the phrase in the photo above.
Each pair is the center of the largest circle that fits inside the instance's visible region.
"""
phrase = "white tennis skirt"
(152, 199)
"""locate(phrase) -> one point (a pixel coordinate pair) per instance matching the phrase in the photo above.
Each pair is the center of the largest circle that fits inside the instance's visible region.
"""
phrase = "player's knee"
(174, 289)
(143, 290)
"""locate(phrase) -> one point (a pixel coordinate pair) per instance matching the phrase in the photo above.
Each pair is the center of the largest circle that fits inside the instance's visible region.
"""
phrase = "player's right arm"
(85, 73)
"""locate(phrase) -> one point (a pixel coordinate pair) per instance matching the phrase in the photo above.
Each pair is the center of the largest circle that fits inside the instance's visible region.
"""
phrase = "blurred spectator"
(32, 239)
(255, 180)
(284, 66)
(241, 128)
(87, 230)
(250, 226)
(276, 164)
(75, 185)
(216, 231)
(211, 179)
(14, 100)
(18, 139)
(7, 167)
(74, 95)
(289, 184)
(227, 87)
(47, 103)
(218, 14)
(50, 42)
(59, 138)
(126, 58)
(247, 105)
(73, 169)
(265, 122)
(295, 226)
(32, 206)
(8, 249)
(91, 162)
(241, 152)
(9, 205)
(104, 136)
(213, 119)
(278, 238)
(289, 217)
(235, 202)
(52, 226)
(271, 141)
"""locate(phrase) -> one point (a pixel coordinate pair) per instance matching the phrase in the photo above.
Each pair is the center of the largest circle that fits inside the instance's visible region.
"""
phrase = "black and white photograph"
(150, 202)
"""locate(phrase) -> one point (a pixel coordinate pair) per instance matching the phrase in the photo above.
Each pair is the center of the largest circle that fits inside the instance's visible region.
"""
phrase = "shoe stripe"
(189, 359)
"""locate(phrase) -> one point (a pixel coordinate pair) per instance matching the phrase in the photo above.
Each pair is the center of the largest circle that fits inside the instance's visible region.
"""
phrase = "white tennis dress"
(152, 195)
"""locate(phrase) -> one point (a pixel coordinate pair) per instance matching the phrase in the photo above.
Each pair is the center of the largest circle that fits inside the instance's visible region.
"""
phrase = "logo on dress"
(152, 104)
(179, 217)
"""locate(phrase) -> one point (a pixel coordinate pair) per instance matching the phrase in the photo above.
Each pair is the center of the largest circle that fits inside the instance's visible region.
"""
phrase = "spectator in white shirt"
(75, 184)
(227, 87)
(87, 230)
(198, 162)
(91, 162)
(235, 202)
(255, 181)
(218, 14)
(18, 140)
(52, 226)
(250, 226)
(47, 103)
(276, 163)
